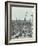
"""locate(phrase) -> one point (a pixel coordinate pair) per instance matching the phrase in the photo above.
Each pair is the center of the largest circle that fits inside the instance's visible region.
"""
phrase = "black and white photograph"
(21, 22)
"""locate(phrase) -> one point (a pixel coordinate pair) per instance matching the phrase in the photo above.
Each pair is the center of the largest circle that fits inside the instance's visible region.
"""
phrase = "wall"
(2, 23)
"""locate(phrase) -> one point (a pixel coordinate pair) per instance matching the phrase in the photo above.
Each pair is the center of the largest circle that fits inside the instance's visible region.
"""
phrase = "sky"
(20, 12)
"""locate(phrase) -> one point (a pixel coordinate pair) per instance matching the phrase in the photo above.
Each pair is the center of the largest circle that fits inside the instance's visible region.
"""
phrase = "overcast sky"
(20, 12)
